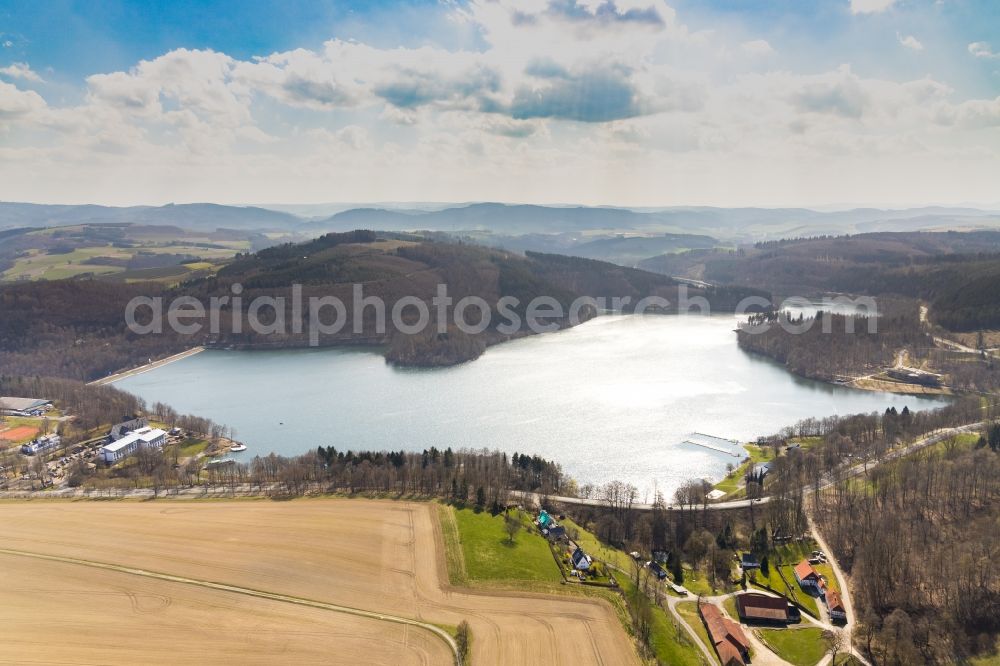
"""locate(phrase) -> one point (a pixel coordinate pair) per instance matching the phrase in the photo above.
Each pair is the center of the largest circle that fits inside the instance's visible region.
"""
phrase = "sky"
(596, 102)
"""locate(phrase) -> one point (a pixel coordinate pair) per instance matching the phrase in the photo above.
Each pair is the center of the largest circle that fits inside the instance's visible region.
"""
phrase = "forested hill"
(956, 273)
(76, 328)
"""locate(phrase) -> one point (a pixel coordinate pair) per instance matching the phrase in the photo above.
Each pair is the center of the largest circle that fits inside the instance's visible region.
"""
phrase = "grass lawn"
(802, 647)
(826, 571)
(689, 611)
(698, 583)
(192, 446)
(598, 549)
(488, 555)
(729, 603)
(669, 641)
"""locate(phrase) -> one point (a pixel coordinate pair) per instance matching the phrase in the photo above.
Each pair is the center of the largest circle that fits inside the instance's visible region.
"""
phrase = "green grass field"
(826, 571)
(729, 603)
(802, 647)
(689, 611)
(37, 264)
(669, 641)
(596, 548)
(488, 556)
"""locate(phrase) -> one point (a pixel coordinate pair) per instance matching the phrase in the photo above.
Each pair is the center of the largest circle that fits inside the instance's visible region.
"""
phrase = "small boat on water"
(237, 447)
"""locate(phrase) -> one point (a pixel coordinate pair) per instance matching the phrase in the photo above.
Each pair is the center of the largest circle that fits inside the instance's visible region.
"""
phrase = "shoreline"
(118, 376)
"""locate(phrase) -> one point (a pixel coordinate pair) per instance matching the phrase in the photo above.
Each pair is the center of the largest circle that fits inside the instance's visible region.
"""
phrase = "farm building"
(807, 577)
(731, 644)
(835, 605)
(10, 406)
(755, 608)
(42, 443)
(122, 429)
(581, 561)
(132, 442)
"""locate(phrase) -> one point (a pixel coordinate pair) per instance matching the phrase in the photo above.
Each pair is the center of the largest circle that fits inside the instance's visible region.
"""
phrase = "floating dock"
(720, 444)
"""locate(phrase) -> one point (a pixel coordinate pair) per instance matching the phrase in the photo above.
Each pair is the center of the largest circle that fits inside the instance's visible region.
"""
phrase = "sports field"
(380, 556)
(18, 434)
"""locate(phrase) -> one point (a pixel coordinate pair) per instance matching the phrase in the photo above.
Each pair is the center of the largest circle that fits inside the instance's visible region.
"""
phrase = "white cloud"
(910, 42)
(15, 103)
(589, 101)
(982, 50)
(870, 6)
(757, 47)
(7, 43)
(20, 70)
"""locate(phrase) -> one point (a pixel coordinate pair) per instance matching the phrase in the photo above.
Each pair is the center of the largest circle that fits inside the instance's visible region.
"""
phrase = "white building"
(41, 444)
(132, 442)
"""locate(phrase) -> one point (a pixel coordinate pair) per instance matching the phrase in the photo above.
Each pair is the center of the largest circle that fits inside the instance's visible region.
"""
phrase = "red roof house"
(731, 644)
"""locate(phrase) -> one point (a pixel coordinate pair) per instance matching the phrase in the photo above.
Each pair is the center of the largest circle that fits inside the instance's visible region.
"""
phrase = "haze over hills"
(729, 224)
(199, 216)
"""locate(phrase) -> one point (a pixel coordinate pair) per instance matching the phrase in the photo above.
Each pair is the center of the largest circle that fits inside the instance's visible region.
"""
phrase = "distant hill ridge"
(741, 224)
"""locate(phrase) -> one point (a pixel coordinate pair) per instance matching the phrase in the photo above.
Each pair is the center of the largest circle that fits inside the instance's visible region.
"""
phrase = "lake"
(614, 398)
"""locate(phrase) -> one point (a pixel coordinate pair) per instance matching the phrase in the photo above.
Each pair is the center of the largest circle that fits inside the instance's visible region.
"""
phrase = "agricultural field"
(369, 555)
(124, 252)
(63, 613)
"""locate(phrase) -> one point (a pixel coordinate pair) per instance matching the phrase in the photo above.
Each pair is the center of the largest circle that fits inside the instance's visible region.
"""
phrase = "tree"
(512, 525)
(480, 497)
(836, 642)
(462, 639)
(697, 546)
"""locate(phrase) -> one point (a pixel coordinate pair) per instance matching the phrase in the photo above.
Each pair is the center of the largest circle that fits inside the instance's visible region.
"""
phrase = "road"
(857, 470)
(437, 631)
(110, 379)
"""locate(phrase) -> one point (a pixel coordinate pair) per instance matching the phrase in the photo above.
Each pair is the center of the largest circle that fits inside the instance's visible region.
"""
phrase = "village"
(35, 455)
(775, 614)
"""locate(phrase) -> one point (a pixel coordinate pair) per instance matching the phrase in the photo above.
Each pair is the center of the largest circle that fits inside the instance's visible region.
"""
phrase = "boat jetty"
(730, 447)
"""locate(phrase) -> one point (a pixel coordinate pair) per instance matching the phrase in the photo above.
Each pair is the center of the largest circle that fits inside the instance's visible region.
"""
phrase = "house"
(756, 608)
(759, 470)
(835, 605)
(555, 533)
(749, 561)
(731, 644)
(657, 569)
(39, 444)
(806, 576)
(10, 406)
(581, 561)
(132, 442)
(122, 429)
